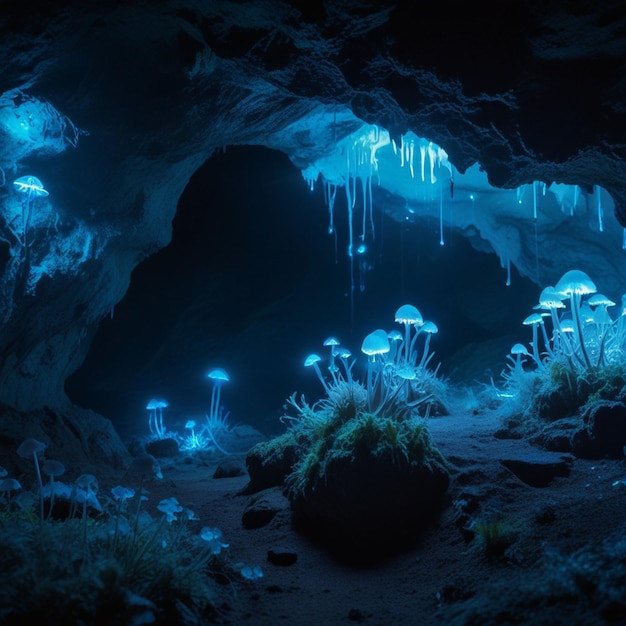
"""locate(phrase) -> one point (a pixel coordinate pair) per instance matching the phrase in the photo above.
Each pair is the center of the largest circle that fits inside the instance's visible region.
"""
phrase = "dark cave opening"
(252, 282)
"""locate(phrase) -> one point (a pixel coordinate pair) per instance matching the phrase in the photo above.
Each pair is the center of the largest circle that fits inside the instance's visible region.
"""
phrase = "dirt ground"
(450, 576)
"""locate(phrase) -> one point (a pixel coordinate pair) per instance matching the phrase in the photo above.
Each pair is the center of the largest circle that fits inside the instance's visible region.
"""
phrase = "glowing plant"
(52, 468)
(29, 449)
(155, 417)
(31, 188)
(218, 376)
(585, 348)
(408, 315)
(312, 361)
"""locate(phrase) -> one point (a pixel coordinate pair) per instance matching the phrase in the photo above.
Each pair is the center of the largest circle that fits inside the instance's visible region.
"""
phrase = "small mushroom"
(52, 468)
(29, 448)
(218, 376)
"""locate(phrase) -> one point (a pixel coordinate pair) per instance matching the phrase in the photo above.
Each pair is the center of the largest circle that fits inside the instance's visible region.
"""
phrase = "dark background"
(252, 282)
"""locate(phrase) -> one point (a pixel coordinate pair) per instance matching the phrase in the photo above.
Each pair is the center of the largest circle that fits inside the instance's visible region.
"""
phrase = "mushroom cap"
(551, 299)
(532, 319)
(190, 424)
(217, 373)
(395, 335)
(408, 314)
(157, 403)
(9, 484)
(599, 299)
(342, 353)
(331, 341)
(311, 359)
(30, 446)
(88, 482)
(376, 343)
(30, 185)
(575, 282)
(122, 493)
(519, 348)
(430, 327)
(53, 468)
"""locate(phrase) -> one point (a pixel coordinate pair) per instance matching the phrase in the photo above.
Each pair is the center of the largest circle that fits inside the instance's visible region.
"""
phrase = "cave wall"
(532, 91)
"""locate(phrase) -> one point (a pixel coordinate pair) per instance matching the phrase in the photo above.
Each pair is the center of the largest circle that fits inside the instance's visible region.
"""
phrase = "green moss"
(494, 533)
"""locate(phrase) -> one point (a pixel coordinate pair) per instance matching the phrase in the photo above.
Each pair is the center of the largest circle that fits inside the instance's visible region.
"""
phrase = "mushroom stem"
(319, 375)
(40, 484)
(575, 303)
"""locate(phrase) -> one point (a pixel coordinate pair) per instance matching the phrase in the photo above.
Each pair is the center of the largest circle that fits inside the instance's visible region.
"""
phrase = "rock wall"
(530, 91)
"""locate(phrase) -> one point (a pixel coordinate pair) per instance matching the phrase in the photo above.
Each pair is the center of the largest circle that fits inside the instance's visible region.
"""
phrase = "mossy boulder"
(269, 462)
(370, 486)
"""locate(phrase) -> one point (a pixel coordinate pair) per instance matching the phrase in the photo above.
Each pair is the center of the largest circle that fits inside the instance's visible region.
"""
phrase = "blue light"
(31, 186)
(362, 249)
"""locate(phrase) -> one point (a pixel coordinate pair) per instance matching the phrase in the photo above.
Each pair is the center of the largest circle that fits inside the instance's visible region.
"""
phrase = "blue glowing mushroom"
(218, 376)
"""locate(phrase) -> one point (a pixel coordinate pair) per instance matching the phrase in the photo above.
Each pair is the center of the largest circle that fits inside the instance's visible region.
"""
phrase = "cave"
(192, 186)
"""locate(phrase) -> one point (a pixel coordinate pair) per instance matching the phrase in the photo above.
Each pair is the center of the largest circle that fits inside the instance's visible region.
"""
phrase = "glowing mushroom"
(332, 342)
(575, 284)
(31, 188)
(519, 350)
(374, 345)
(535, 320)
(52, 468)
(218, 376)
(155, 417)
(29, 449)
(312, 361)
(408, 315)
(430, 328)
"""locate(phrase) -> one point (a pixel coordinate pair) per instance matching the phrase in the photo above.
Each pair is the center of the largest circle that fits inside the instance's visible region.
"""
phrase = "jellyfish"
(31, 188)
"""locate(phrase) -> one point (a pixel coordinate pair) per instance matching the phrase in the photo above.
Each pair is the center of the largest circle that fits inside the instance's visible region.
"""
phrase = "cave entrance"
(252, 282)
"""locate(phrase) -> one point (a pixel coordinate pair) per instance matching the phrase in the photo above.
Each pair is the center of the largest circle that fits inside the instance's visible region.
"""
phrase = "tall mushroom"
(374, 345)
(52, 468)
(312, 361)
(408, 315)
(575, 284)
(218, 376)
(28, 450)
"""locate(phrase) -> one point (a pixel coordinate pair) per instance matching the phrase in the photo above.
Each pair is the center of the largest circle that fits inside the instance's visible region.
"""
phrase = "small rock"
(261, 509)
(281, 556)
(540, 468)
(161, 448)
(229, 468)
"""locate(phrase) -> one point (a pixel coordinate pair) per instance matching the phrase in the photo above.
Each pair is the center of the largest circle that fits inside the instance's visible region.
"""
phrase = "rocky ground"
(527, 536)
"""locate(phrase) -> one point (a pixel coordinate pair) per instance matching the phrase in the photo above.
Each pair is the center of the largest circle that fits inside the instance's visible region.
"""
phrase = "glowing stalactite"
(534, 200)
(411, 155)
(600, 209)
(350, 204)
(505, 262)
(576, 191)
(364, 180)
(422, 159)
(441, 241)
(432, 156)
(330, 193)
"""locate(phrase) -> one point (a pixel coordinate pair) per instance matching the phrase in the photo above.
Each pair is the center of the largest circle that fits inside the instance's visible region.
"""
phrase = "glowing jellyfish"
(31, 188)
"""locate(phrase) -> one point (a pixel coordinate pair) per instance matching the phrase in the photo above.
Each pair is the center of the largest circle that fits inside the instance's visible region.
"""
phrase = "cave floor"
(446, 578)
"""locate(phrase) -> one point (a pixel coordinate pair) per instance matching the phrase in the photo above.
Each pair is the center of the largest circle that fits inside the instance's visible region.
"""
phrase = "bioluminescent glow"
(419, 172)
(32, 127)
(31, 186)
